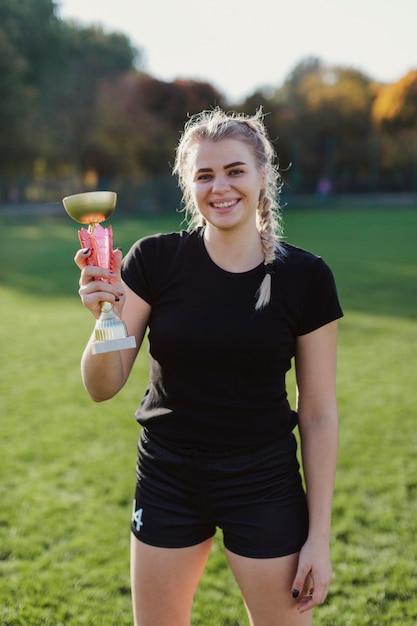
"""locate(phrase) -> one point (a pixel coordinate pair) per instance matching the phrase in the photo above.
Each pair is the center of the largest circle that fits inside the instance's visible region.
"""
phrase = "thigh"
(260, 504)
(169, 506)
(266, 586)
(164, 581)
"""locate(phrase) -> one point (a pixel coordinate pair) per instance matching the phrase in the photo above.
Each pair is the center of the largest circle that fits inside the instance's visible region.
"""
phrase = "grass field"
(68, 465)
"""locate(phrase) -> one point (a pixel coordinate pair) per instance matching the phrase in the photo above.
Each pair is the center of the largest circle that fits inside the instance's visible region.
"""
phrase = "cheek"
(197, 194)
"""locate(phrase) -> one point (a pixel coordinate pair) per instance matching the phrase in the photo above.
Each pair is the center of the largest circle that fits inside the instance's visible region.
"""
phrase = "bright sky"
(238, 46)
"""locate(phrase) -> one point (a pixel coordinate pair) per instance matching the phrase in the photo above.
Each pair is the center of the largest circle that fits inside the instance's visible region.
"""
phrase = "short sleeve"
(321, 303)
(151, 261)
(138, 268)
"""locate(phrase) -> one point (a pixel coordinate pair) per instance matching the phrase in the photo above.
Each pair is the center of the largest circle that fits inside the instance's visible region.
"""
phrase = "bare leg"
(266, 586)
(164, 581)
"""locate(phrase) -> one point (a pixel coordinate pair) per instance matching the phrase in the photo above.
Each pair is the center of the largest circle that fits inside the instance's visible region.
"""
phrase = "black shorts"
(256, 498)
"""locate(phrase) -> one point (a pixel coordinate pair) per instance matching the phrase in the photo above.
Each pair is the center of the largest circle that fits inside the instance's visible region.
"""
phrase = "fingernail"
(295, 593)
(119, 248)
(86, 250)
(112, 273)
(120, 293)
(117, 299)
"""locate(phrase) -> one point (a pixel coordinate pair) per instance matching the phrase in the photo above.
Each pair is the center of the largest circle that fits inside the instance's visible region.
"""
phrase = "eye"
(204, 177)
(236, 172)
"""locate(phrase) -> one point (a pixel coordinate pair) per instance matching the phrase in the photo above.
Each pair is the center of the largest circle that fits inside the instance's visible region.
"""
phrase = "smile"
(223, 205)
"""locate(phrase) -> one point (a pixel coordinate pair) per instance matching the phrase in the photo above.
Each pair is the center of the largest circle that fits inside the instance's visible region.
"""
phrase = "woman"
(228, 304)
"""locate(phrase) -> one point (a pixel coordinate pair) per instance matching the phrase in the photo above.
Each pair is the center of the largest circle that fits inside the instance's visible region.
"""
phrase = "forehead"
(210, 154)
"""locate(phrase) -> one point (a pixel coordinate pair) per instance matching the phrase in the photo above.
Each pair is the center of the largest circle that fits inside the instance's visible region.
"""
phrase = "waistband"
(196, 452)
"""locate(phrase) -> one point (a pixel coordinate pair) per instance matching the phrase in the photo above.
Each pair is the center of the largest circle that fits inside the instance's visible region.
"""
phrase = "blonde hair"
(216, 125)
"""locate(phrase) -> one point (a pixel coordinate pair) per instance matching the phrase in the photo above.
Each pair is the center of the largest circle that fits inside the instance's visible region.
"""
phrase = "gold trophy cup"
(92, 208)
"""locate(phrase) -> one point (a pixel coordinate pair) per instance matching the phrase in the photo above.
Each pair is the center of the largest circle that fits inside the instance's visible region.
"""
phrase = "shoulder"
(294, 259)
(152, 260)
(303, 269)
(165, 240)
(297, 255)
(162, 244)
(310, 284)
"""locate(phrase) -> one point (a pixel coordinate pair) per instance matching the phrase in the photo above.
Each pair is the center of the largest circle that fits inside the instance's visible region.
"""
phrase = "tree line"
(78, 111)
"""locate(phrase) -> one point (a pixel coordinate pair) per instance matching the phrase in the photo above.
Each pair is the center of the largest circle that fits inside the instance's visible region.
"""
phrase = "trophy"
(92, 208)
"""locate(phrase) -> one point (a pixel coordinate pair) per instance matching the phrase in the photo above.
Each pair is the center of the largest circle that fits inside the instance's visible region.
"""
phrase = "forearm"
(105, 374)
(102, 374)
(319, 441)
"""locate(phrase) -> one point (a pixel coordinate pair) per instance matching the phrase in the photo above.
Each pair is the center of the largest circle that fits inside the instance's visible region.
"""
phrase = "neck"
(234, 252)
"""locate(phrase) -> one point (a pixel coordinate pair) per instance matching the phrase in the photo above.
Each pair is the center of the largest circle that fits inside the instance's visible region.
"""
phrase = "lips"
(226, 204)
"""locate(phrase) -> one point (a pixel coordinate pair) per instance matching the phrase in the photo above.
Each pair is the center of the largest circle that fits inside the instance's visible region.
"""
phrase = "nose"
(220, 184)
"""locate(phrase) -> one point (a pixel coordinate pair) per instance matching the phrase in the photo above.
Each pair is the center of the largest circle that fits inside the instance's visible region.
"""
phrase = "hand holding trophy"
(92, 208)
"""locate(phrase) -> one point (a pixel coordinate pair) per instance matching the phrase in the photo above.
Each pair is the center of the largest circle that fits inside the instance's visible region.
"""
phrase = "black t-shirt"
(217, 366)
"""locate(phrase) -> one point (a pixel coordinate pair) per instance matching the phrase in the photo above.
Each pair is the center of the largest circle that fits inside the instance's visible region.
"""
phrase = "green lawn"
(68, 465)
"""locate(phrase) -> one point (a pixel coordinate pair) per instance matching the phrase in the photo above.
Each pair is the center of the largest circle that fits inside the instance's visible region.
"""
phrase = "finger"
(93, 302)
(308, 586)
(100, 290)
(300, 582)
(81, 257)
(91, 273)
(306, 604)
(314, 597)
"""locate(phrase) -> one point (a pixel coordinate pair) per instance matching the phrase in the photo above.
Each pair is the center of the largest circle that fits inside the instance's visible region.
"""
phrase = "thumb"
(81, 257)
(117, 260)
(299, 581)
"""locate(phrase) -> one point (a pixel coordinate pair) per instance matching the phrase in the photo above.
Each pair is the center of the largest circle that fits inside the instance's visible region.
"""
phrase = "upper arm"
(136, 313)
(315, 366)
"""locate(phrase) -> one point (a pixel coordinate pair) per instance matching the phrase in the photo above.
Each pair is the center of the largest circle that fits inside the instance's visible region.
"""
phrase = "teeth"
(223, 205)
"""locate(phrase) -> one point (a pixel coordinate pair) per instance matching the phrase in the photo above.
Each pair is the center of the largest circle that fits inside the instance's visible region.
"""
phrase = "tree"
(395, 117)
(324, 113)
(89, 57)
(50, 71)
(139, 120)
(28, 33)
(395, 107)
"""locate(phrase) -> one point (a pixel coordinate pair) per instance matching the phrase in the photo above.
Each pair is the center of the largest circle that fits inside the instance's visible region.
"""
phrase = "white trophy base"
(112, 345)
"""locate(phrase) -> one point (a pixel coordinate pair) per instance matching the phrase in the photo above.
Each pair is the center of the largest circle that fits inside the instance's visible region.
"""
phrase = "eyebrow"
(226, 167)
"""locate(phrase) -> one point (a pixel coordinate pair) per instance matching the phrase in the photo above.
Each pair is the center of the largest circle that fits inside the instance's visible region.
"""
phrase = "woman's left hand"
(314, 575)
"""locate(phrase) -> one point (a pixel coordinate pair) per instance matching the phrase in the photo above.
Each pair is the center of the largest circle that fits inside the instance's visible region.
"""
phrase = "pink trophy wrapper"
(110, 331)
(100, 242)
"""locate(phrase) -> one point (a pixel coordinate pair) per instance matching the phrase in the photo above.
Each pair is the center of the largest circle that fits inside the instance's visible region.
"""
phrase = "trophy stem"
(110, 332)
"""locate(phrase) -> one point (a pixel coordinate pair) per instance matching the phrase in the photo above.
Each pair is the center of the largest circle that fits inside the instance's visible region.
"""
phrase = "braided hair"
(215, 125)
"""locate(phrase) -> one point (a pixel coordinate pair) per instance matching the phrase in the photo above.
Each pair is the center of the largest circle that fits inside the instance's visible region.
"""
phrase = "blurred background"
(94, 95)
(80, 108)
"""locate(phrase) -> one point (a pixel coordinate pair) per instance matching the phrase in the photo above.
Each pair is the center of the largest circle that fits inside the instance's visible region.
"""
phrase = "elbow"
(99, 395)
(99, 390)
(97, 399)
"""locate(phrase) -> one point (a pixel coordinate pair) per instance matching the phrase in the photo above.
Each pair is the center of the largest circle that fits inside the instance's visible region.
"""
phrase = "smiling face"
(225, 183)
